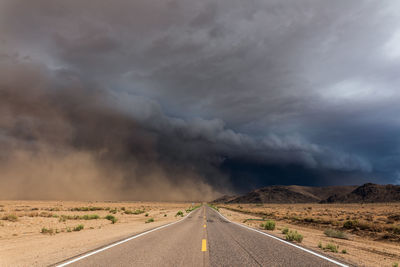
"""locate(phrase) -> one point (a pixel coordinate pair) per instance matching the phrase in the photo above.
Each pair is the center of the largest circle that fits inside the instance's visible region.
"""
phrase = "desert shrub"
(395, 264)
(111, 218)
(91, 217)
(63, 218)
(320, 244)
(10, 217)
(213, 207)
(344, 251)
(268, 225)
(331, 247)
(285, 230)
(394, 217)
(45, 214)
(149, 220)
(113, 211)
(146, 215)
(192, 208)
(138, 212)
(335, 233)
(86, 209)
(350, 224)
(47, 231)
(165, 215)
(309, 220)
(134, 212)
(78, 227)
(179, 213)
(396, 229)
(294, 236)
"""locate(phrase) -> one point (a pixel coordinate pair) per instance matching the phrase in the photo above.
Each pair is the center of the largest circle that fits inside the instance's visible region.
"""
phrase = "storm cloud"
(128, 99)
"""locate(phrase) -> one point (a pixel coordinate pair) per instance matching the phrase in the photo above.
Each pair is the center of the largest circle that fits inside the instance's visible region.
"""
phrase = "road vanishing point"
(202, 238)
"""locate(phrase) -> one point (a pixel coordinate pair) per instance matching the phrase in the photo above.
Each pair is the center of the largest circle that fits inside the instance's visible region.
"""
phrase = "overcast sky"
(217, 96)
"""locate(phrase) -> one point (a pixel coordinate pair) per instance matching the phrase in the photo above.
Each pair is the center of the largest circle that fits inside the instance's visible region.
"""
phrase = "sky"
(188, 100)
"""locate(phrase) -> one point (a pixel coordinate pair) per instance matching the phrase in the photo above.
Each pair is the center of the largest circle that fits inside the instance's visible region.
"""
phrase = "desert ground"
(360, 234)
(40, 233)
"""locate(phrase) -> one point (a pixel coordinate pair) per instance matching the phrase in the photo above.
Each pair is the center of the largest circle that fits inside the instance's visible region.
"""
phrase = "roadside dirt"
(22, 242)
(360, 250)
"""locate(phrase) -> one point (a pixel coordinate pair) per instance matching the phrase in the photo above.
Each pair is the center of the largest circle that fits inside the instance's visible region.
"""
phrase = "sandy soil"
(362, 249)
(23, 243)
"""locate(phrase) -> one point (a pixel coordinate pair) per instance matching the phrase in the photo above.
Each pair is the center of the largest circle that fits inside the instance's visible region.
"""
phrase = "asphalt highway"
(204, 238)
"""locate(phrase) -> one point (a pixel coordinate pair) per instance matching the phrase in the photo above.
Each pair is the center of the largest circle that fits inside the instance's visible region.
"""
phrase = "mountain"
(224, 199)
(290, 194)
(369, 193)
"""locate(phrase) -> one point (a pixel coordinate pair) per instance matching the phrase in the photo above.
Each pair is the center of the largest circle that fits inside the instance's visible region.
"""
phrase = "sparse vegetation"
(268, 225)
(64, 218)
(396, 229)
(78, 228)
(149, 220)
(344, 251)
(47, 230)
(395, 264)
(350, 224)
(179, 213)
(165, 215)
(293, 235)
(335, 234)
(113, 211)
(87, 208)
(213, 207)
(285, 230)
(331, 247)
(111, 218)
(135, 212)
(192, 208)
(340, 217)
(10, 217)
(146, 215)
(91, 217)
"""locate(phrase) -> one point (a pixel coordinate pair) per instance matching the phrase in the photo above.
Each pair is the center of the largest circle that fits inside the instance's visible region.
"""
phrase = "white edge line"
(119, 243)
(286, 242)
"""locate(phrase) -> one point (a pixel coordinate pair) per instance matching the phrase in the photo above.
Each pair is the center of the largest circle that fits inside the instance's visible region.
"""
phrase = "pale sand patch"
(361, 251)
(22, 244)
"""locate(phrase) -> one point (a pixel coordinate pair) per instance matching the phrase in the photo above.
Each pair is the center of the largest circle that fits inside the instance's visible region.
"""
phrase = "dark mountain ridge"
(312, 194)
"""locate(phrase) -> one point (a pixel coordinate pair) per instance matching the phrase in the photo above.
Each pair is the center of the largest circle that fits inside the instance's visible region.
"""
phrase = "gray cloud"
(190, 86)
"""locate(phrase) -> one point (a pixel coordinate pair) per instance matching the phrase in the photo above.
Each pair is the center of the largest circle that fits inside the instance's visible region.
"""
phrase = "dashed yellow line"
(204, 245)
(204, 226)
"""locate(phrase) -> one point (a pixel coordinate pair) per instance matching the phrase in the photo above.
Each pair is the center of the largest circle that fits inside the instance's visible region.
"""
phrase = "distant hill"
(369, 193)
(224, 199)
(291, 194)
(326, 194)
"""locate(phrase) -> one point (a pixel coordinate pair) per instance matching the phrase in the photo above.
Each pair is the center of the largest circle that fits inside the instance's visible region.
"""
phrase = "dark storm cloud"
(218, 95)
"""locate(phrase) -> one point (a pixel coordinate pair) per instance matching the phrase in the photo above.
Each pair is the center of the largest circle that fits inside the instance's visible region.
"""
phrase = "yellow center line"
(204, 245)
(205, 226)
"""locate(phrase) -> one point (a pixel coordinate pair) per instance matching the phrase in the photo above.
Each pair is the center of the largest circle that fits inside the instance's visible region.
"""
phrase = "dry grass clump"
(10, 217)
(149, 220)
(111, 218)
(268, 225)
(293, 235)
(335, 233)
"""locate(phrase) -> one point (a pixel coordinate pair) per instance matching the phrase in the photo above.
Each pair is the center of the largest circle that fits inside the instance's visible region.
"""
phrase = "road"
(204, 238)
